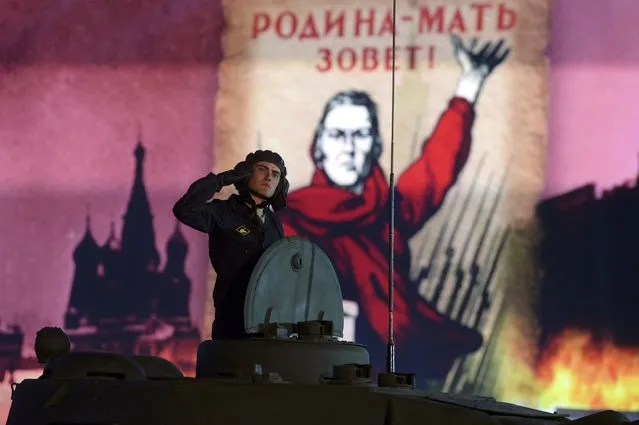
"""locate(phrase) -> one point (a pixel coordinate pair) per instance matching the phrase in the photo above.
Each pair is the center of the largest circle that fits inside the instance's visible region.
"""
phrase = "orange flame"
(170, 355)
(577, 372)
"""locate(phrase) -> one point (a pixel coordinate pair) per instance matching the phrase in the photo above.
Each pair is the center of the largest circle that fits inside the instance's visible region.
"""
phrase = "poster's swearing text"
(286, 25)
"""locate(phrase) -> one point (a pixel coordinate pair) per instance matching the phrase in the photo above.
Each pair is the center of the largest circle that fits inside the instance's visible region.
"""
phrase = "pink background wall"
(79, 79)
(594, 110)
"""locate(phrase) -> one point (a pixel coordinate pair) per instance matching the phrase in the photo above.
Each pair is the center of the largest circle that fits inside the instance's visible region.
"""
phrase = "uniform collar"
(240, 205)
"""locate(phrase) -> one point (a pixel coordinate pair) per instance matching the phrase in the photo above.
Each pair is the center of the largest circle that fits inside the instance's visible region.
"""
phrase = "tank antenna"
(390, 349)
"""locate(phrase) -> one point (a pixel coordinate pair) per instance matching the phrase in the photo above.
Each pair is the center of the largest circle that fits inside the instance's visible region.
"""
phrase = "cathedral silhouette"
(120, 299)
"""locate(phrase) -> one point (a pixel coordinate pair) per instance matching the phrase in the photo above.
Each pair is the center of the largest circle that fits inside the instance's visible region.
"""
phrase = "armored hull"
(291, 368)
(205, 401)
(259, 399)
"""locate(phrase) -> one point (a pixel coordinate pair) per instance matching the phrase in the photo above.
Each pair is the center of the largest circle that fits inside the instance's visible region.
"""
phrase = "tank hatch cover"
(294, 281)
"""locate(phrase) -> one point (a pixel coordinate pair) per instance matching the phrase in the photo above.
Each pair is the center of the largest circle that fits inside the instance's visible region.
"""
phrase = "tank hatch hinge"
(315, 329)
(276, 330)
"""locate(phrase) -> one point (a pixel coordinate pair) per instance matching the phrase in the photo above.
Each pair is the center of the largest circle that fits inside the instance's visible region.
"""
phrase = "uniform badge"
(242, 230)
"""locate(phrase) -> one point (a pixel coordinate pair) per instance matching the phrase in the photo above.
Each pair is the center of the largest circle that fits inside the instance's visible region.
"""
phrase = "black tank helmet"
(262, 155)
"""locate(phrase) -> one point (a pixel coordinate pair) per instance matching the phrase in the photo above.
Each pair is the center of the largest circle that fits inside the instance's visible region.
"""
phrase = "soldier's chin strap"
(247, 194)
(263, 198)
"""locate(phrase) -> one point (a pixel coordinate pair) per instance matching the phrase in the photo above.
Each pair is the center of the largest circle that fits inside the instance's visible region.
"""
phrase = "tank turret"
(293, 318)
(291, 364)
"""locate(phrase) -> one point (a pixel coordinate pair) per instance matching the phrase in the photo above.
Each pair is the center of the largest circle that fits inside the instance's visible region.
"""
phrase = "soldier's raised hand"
(476, 63)
(479, 60)
(240, 172)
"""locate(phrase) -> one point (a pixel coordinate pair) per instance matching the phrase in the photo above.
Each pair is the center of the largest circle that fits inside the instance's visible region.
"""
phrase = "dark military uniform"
(237, 239)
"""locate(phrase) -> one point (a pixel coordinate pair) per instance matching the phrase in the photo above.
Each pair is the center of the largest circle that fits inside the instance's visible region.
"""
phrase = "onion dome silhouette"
(177, 247)
(112, 244)
(87, 248)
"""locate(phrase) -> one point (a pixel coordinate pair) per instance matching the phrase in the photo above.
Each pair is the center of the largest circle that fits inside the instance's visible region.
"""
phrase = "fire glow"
(577, 372)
